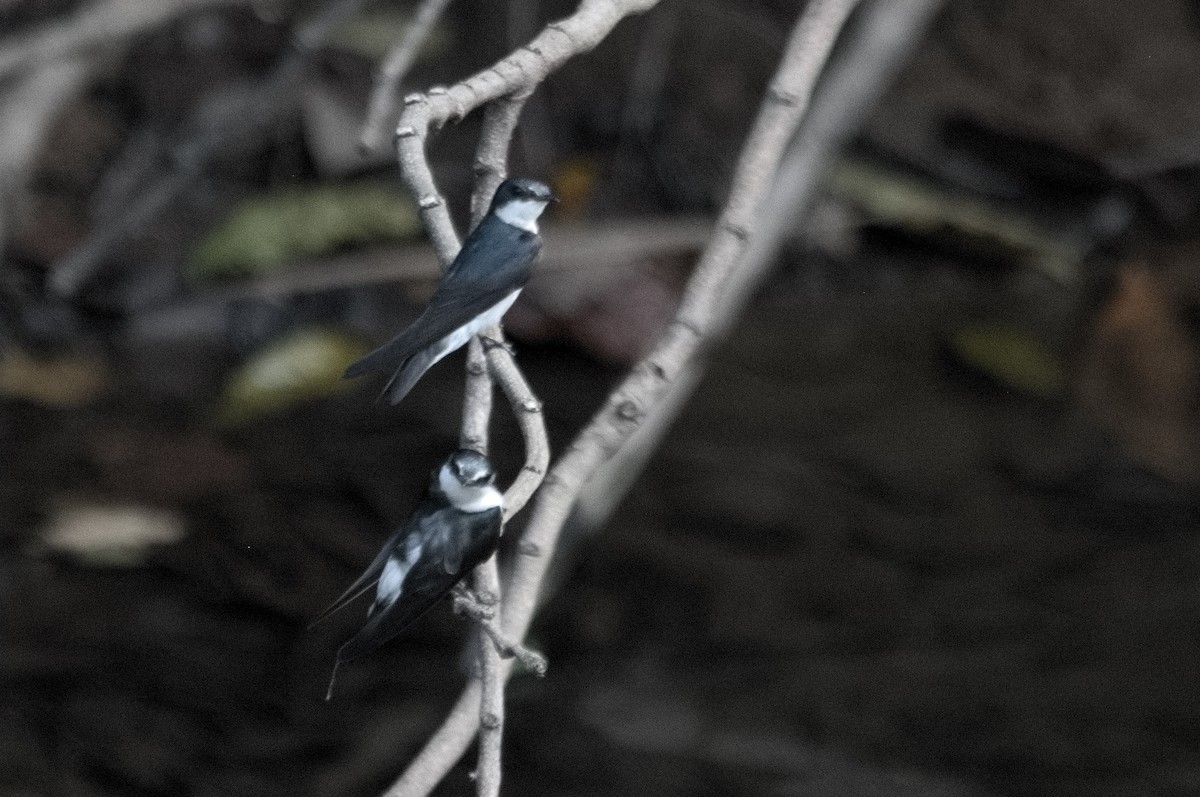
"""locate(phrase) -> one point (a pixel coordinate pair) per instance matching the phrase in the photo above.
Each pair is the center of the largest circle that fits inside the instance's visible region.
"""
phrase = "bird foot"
(477, 607)
(493, 343)
(481, 609)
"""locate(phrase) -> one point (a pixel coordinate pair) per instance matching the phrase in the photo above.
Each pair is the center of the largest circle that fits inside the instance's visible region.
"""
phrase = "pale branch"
(499, 122)
(381, 107)
(864, 66)
(512, 76)
(488, 770)
(481, 607)
(716, 274)
(526, 67)
(777, 121)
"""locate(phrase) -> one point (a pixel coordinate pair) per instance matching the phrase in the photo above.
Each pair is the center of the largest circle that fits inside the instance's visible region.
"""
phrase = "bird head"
(519, 201)
(468, 481)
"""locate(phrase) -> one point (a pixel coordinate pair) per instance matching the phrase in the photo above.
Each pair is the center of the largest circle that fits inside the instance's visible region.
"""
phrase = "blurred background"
(927, 526)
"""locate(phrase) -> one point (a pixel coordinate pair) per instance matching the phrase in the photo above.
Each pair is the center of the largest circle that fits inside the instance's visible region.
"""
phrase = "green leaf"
(266, 232)
(306, 365)
(1012, 358)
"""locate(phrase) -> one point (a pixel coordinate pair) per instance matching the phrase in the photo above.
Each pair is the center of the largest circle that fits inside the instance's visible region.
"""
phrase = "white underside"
(468, 499)
(391, 580)
(522, 213)
(462, 336)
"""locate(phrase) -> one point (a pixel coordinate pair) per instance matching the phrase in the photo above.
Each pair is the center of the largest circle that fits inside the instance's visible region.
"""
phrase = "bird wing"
(447, 555)
(492, 264)
(371, 575)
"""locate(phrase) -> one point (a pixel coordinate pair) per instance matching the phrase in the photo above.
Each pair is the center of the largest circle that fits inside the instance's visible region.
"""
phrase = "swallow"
(455, 527)
(474, 293)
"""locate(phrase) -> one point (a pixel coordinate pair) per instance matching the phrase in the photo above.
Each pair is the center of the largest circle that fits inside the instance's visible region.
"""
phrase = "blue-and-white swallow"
(454, 528)
(475, 292)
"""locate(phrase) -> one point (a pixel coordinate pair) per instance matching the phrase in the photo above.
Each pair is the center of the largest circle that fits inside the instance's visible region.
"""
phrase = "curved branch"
(382, 105)
(516, 74)
(714, 294)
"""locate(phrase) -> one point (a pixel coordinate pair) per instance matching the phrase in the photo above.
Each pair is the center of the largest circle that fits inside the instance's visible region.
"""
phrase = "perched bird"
(454, 528)
(474, 293)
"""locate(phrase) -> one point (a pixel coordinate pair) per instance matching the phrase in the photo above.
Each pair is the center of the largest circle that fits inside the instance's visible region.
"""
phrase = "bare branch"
(865, 65)
(516, 74)
(481, 607)
(786, 101)
(702, 311)
(499, 123)
(381, 109)
(525, 69)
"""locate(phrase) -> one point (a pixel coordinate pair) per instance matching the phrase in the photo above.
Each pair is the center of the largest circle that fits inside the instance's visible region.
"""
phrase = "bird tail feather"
(408, 375)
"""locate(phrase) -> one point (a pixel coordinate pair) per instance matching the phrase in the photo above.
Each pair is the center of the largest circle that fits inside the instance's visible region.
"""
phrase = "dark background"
(867, 559)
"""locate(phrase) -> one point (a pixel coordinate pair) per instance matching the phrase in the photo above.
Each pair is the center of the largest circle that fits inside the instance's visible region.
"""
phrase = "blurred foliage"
(265, 232)
(922, 206)
(66, 381)
(101, 535)
(305, 365)
(1012, 358)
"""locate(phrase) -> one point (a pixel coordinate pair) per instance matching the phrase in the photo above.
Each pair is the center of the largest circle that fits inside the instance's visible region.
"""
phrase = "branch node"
(629, 411)
(416, 98)
(529, 549)
(476, 368)
(782, 96)
(469, 603)
(489, 721)
(530, 659)
(429, 201)
(656, 370)
(490, 344)
(531, 406)
(408, 131)
(688, 326)
(437, 91)
(536, 471)
(736, 230)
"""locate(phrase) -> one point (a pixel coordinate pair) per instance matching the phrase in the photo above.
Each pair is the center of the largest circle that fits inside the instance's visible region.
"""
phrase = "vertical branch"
(499, 123)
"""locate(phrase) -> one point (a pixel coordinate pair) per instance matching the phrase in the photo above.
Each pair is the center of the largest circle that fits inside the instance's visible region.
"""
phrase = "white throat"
(522, 213)
(468, 499)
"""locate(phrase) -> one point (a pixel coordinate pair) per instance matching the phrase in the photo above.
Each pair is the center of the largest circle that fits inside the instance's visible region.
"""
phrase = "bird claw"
(492, 343)
(471, 604)
(480, 609)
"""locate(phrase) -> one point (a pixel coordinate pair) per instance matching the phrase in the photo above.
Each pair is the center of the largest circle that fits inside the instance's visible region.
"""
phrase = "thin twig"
(381, 108)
